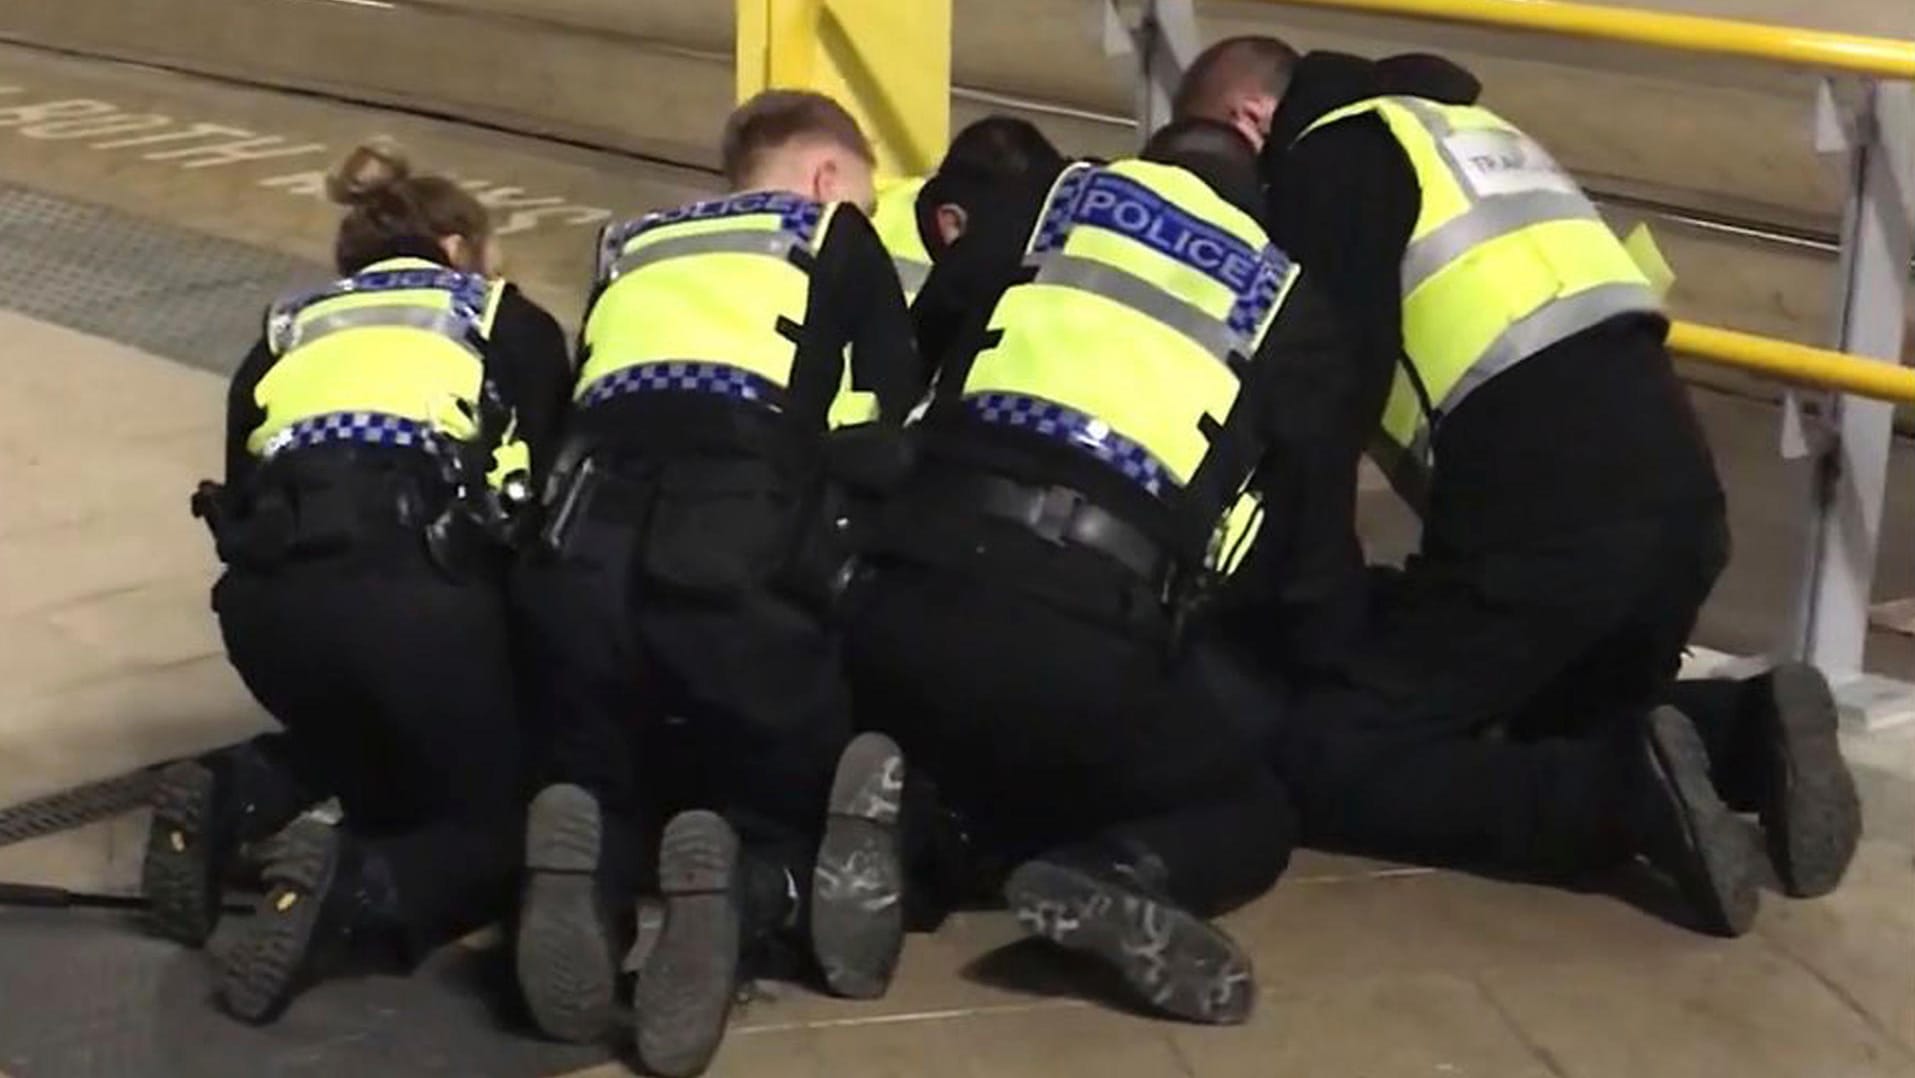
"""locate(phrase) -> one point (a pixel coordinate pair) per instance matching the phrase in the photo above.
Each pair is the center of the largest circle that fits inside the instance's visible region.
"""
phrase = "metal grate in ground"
(184, 295)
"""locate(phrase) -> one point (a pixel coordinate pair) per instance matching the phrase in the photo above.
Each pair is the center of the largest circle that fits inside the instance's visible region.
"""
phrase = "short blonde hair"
(774, 119)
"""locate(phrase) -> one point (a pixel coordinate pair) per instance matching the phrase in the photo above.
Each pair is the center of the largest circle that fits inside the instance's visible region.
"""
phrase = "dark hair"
(389, 208)
(999, 148)
(1217, 153)
(1230, 68)
(773, 119)
(1199, 136)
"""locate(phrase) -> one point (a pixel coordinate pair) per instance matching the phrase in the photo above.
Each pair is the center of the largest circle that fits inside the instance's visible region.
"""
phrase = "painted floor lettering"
(189, 144)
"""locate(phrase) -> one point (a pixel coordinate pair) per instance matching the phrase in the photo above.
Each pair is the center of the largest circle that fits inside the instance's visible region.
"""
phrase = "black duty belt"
(1062, 515)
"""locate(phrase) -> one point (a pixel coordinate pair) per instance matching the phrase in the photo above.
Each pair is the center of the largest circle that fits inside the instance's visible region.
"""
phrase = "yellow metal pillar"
(888, 61)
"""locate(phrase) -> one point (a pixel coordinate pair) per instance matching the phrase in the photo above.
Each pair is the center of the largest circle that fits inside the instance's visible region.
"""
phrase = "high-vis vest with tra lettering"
(393, 355)
(1508, 256)
(1151, 296)
(896, 220)
(710, 298)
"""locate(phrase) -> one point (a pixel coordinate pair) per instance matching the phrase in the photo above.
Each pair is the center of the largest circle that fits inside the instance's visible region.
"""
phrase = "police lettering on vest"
(1126, 207)
(1151, 296)
(704, 299)
(393, 355)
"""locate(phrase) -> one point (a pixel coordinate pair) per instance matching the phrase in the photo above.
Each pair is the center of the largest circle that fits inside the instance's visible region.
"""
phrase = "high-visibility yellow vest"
(709, 297)
(1151, 296)
(1508, 256)
(896, 220)
(393, 355)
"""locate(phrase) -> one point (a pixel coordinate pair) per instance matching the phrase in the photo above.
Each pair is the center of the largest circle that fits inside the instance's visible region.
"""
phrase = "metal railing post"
(1164, 40)
(1851, 470)
(888, 62)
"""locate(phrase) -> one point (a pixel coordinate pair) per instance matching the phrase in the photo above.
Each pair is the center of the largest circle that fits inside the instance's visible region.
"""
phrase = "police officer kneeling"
(363, 600)
(1083, 480)
(1513, 362)
(747, 359)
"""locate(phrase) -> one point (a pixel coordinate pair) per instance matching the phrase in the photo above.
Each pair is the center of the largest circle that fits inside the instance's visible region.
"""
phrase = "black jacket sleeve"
(969, 277)
(528, 363)
(243, 413)
(1299, 595)
(1343, 202)
(863, 308)
(861, 311)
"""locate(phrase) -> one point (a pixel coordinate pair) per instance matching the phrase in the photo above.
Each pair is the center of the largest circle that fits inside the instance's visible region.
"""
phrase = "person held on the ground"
(746, 360)
(375, 436)
(1085, 477)
(1513, 363)
(919, 217)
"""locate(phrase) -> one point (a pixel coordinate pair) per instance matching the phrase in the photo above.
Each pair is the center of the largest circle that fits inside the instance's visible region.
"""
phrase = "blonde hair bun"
(369, 171)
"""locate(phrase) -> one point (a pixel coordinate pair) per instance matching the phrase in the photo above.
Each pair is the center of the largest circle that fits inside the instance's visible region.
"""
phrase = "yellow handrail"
(1824, 50)
(1880, 57)
(1795, 362)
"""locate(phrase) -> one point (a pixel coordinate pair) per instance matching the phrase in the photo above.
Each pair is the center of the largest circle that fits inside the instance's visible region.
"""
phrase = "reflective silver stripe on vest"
(1211, 333)
(1487, 216)
(776, 243)
(1485, 220)
(452, 327)
(1555, 321)
(912, 274)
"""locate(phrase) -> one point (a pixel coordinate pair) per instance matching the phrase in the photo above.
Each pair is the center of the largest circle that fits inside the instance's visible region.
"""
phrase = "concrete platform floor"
(112, 661)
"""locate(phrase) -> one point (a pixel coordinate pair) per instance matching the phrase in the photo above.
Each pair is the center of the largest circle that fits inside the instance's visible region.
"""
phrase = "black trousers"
(1045, 729)
(662, 698)
(396, 691)
(1488, 713)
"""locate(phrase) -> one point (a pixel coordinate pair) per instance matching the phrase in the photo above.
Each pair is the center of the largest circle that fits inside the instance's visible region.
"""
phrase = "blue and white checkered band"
(358, 428)
(796, 215)
(1099, 198)
(1081, 432)
(721, 379)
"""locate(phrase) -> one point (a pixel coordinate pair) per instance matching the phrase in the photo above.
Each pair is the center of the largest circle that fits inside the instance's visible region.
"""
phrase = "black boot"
(1113, 907)
(1684, 829)
(189, 846)
(857, 910)
(1804, 792)
(689, 980)
(205, 811)
(329, 902)
(567, 950)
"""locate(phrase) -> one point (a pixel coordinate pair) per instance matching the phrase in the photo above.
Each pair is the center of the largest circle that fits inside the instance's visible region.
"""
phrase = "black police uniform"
(1573, 530)
(684, 621)
(387, 659)
(1034, 675)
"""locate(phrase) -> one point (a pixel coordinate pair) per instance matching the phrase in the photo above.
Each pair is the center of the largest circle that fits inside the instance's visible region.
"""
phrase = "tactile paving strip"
(184, 295)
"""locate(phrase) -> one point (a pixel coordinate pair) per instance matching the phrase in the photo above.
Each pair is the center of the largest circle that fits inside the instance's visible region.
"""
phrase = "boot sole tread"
(857, 887)
(259, 972)
(1814, 830)
(1179, 963)
(686, 986)
(1724, 894)
(566, 969)
(182, 895)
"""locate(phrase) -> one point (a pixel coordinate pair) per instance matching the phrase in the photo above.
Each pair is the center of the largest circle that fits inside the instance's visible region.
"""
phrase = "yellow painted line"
(1882, 57)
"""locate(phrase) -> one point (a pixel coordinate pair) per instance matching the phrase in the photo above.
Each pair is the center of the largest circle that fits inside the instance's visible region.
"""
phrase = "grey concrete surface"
(113, 661)
(656, 77)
